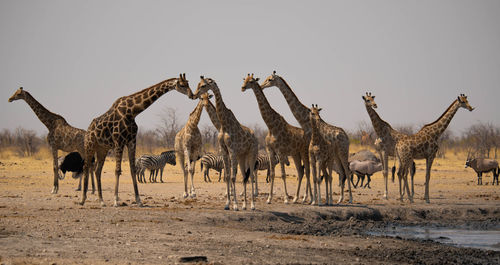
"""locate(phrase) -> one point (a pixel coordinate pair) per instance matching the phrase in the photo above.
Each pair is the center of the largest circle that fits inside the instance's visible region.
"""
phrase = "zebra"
(262, 163)
(154, 163)
(213, 161)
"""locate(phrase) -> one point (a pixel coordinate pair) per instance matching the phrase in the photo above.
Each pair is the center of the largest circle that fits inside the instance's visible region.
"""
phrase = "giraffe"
(336, 136)
(238, 144)
(387, 135)
(210, 108)
(424, 145)
(61, 136)
(188, 147)
(116, 129)
(321, 156)
(282, 139)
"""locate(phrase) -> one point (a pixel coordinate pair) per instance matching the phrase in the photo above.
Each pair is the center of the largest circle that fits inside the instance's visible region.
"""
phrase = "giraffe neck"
(45, 116)
(435, 129)
(194, 117)
(300, 112)
(212, 113)
(315, 133)
(272, 119)
(381, 127)
(138, 102)
(223, 113)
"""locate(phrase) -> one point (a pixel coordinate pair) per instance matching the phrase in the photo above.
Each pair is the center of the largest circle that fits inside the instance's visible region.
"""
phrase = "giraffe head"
(271, 80)
(314, 114)
(20, 94)
(205, 97)
(250, 82)
(369, 100)
(462, 100)
(182, 85)
(204, 85)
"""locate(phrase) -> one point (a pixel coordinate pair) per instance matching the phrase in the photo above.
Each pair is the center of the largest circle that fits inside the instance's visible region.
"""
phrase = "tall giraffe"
(61, 136)
(321, 157)
(116, 129)
(188, 147)
(282, 139)
(238, 144)
(336, 136)
(387, 135)
(424, 145)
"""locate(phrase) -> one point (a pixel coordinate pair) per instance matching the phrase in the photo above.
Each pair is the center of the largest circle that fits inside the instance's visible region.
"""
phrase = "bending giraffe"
(424, 145)
(238, 144)
(335, 136)
(188, 147)
(282, 138)
(116, 129)
(61, 136)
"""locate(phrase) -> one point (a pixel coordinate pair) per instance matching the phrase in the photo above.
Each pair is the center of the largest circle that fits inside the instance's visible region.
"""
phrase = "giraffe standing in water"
(238, 144)
(282, 139)
(116, 129)
(61, 136)
(424, 145)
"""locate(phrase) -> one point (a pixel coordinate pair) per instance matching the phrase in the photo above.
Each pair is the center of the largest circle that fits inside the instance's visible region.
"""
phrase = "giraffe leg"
(385, 164)
(270, 156)
(406, 185)
(428, 165)
(400, 178)
(314, 172)
(131, 159)
(118, 172)
(307, 172)
(318, 183)
(300, 175)
(181, 162)
(191, 172)
(234, 171)
(100, 163)
(55, 189)
(283, 176)
(227, 179)
(327, 188)
(245, 181)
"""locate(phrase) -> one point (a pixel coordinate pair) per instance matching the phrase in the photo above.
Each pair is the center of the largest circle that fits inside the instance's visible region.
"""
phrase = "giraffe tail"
(201, 166)
(393, 173)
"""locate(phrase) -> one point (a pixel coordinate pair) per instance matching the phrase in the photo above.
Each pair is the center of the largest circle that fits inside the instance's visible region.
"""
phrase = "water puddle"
(482, 239)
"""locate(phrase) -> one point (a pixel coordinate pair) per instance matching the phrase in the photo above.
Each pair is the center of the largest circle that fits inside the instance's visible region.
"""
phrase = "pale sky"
(77, 57)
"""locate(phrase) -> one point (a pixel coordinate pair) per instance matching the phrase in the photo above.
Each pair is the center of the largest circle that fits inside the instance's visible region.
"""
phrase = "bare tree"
(169, 126)
(27, 142)
(365, 134)
(148, 139)
(209, 136)
(482, 138)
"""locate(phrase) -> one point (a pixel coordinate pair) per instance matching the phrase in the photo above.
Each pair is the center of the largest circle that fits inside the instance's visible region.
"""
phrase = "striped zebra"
(213, 161)
(262, 163)
(154, 163)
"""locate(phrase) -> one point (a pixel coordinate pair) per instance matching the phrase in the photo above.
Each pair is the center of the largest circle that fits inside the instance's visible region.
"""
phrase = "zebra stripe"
(211, 161)
(154, 163)
(262, 163)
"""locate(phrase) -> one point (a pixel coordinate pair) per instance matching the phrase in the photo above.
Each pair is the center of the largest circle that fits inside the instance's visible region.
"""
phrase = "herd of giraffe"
(316, 147)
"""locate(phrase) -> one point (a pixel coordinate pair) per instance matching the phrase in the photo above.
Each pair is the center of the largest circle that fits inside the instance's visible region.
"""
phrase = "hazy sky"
(78, 57)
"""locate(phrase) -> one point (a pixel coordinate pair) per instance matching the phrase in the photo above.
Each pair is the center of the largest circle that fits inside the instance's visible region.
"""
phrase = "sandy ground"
(37, 227)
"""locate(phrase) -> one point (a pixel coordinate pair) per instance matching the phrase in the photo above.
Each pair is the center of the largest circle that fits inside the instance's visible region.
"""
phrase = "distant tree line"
(479, 140)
